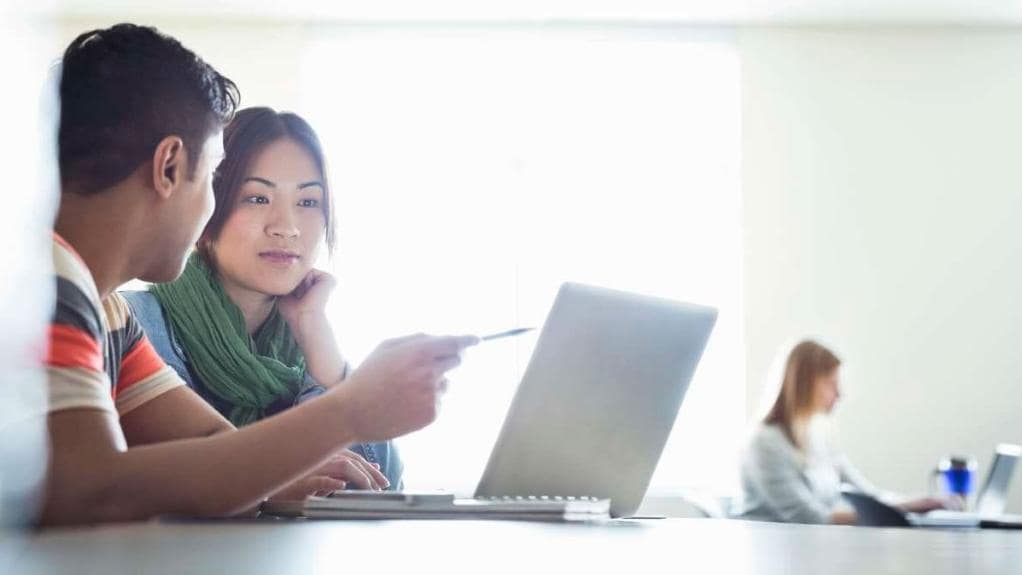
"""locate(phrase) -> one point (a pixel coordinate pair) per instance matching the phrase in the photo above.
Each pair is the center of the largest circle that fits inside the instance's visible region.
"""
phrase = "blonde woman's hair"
(806, 363)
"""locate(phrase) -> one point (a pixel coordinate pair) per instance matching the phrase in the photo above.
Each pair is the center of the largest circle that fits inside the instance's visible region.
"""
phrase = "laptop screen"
(994, 497)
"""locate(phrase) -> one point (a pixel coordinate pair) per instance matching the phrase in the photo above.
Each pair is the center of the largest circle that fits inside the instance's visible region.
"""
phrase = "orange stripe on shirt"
(73, 347)
(139, 363)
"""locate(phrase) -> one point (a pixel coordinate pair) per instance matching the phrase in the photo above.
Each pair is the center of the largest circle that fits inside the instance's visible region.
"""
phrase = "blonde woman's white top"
(782, 483)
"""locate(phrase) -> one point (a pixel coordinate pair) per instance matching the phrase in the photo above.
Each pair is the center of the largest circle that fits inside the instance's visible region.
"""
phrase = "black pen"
(508, 333)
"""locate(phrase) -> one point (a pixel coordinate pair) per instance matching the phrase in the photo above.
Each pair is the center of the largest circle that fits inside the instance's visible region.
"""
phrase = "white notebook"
(404, 505)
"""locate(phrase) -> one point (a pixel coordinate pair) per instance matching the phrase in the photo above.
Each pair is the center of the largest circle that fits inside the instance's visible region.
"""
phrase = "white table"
(417, 547)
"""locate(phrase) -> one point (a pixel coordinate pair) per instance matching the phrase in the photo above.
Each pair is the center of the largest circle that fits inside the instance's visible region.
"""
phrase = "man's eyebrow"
(262, 181)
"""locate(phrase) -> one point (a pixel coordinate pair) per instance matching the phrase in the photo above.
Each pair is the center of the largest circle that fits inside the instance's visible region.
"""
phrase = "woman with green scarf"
(245, 324)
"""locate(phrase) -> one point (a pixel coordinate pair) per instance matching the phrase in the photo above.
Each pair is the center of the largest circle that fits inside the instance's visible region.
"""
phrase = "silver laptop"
(599, 397)
(588, 423)
(993, 498)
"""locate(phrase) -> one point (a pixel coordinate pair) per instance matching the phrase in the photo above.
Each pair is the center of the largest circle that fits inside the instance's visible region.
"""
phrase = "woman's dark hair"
(122, 90)
(251, 130)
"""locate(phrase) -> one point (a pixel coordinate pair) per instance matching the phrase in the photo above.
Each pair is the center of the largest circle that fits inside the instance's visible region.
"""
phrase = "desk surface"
(415, 547)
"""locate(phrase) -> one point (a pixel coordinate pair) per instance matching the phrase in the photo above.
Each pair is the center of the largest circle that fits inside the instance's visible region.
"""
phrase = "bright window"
(475, 169)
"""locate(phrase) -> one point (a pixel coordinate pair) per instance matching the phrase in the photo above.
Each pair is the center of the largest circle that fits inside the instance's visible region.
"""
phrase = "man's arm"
(181, 414)
(177, 414)
(94, 477)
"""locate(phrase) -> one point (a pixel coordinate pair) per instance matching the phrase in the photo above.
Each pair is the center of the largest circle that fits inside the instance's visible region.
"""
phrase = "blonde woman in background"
(789, 472)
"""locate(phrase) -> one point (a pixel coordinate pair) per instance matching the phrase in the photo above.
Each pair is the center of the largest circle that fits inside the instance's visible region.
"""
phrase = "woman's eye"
(257, 200)
(309, 203)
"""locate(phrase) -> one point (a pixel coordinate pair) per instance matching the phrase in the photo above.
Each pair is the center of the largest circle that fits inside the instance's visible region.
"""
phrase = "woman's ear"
(170, 165)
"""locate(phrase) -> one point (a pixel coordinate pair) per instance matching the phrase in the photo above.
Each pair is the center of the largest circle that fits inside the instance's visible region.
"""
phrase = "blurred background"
(29, 203)
(838, 169)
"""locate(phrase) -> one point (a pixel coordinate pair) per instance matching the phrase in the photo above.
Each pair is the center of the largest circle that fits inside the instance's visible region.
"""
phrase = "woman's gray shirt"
(782, 483)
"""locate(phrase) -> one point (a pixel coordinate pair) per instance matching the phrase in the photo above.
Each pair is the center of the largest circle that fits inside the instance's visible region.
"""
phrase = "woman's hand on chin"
(307, 301)
(304, 310)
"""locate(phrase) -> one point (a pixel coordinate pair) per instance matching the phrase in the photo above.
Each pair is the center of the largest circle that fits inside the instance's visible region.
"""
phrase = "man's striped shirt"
(98, 357)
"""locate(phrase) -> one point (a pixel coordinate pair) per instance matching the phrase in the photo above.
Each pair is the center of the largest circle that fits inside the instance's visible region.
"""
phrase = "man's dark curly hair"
(125, 88)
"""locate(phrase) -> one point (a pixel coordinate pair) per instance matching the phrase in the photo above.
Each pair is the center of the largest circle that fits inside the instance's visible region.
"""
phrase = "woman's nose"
(282, 225)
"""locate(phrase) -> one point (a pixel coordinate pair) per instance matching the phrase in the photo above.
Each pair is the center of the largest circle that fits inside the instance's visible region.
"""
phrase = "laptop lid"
(599, 397)
(993, 498)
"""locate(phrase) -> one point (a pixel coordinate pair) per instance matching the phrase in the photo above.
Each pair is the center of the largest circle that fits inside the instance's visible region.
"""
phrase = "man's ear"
(170, 165)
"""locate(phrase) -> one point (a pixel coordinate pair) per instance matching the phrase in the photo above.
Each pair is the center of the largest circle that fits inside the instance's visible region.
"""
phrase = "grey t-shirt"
(782, 483)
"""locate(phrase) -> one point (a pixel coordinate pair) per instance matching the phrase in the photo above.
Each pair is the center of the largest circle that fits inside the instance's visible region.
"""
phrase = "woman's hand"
(308, 300)
(304, 310)
(345, 468)
(954, 503)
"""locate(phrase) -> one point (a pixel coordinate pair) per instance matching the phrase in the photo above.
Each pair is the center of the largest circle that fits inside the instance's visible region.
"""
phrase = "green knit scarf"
(248, 372)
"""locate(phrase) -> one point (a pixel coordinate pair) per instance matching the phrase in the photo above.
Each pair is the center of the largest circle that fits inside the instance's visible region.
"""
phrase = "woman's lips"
(279, 257)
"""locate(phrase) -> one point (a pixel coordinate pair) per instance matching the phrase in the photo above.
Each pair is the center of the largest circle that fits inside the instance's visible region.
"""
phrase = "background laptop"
(988, 511)
(992, 499)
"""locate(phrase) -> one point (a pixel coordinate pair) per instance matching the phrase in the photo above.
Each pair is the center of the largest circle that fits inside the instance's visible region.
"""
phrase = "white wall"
(262, 57)
(882, 188)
